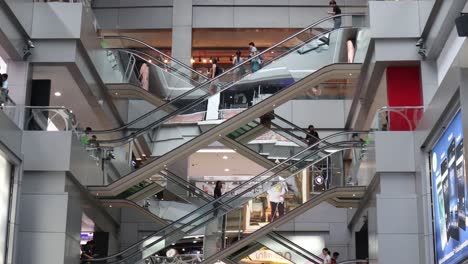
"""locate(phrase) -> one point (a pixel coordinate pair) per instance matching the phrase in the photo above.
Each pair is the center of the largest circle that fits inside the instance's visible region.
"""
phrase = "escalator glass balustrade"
(210, 215)
(288, 68)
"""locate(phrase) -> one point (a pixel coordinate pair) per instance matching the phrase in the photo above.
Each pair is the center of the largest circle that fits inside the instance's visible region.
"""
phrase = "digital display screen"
(449, 192)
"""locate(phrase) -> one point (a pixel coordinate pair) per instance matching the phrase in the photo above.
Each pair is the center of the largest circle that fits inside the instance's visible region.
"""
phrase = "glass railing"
(151, 55)
(290, 67)
(289, 250)
(284, 70)
(151, 74)
(210, 215)
(397, 118)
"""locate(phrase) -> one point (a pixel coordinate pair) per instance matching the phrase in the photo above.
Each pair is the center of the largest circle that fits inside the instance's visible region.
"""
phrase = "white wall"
(329, 222)
(5, 176)
(311, 112)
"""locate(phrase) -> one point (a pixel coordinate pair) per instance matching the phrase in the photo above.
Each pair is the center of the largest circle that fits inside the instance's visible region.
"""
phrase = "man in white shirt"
(276, 197)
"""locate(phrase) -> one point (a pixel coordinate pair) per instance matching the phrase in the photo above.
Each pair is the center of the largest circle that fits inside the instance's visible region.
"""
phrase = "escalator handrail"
(169, 116)
(138, 52)
(222, 74)
(217, 206)
(292, 246)
(167, 173)
(155, 50)
(217, 202)
(293, 125)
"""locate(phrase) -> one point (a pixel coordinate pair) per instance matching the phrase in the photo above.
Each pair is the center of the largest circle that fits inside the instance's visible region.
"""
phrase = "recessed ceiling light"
(110, 206)
(350, 74)
(225, 157)
(354, 195)
(183, 249)
(194, 241)
(150, 61)
(166, 61)
(58, 94)
(226, 170)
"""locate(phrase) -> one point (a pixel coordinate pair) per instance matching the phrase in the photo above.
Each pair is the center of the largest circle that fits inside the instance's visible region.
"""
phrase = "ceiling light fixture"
(213, 150)
(58, 94)
(226, 170)
(192, 60)
(205, 61)
(166, 61)
(225, 157)
(150, 61)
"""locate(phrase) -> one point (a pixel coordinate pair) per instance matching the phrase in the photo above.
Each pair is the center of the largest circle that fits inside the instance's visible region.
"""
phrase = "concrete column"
(396, 215)
(182, 30)
(46, 229)
(429, 80)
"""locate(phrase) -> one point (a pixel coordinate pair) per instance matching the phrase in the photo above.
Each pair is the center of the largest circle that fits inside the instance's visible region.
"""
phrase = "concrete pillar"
(396, 218)
(429, 80)
(48, 229)
(182, 30)
(19, 79)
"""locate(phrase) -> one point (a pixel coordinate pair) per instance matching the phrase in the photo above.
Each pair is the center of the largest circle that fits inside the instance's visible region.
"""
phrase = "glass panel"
(296, 60)
(211, 217)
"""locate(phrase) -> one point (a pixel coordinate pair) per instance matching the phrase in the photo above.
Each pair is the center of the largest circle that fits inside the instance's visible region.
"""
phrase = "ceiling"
(213, 164)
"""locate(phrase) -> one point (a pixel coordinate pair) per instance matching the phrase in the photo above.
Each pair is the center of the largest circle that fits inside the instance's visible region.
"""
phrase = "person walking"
(216, 194)
(336, 11)
(144, 76)
(312, 136)
(276, 196)
(212, 112)
(326, 256)
(335, 258)
(255, 64)
(240, 71)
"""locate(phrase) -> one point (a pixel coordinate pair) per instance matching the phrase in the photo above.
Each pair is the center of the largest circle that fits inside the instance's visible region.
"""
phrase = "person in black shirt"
(312, 137)
(336, 11)
(216, 194)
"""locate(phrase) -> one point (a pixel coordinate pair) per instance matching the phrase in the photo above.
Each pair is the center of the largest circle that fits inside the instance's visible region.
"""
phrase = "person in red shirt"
(334, 257)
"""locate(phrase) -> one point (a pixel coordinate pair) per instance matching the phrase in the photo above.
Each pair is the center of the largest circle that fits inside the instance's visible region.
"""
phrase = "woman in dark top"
(312, 137)
(217, 193)
(217, 189)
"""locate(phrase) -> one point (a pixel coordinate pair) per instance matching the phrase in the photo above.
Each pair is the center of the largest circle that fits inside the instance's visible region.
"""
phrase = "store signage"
(449, 193)
(268, 255)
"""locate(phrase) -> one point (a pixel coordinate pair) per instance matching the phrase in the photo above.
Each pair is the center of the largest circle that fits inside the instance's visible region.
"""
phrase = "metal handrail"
(155, 50)
(170, 229)
(396, 109)
(137, 54)
(220, 205)
(170, 175)
(223, 74)
(218, 201)
(354, 261)
(289, 244)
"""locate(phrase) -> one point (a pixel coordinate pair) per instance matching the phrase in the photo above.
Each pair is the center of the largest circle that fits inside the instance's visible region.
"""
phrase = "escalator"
(280, 245)
(204, 218)
(167, 77)
(291, 73)
(184, 197)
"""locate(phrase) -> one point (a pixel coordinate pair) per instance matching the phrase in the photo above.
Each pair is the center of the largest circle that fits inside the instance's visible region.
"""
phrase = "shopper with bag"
(276, 196)
(256, 63)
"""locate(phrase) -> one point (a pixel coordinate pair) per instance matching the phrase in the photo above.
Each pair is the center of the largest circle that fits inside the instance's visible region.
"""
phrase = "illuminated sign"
(449, 192)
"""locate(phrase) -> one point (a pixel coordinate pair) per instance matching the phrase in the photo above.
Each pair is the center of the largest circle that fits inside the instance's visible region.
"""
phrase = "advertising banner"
(449, 192)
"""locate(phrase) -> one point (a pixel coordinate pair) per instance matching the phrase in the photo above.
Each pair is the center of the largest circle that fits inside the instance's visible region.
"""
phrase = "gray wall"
(221, 14)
